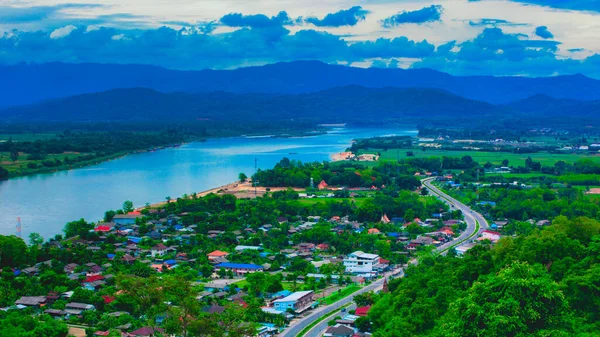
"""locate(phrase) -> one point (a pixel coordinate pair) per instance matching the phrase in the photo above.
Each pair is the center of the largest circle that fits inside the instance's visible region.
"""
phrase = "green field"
(518, 175)
(496, 158)
(341, 294)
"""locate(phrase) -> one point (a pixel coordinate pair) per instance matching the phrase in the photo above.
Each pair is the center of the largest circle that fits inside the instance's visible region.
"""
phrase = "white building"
(461, 250)
(360, 262)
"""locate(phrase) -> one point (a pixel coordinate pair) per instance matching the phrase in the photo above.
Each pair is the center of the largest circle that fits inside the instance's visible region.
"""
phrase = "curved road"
(471, 218)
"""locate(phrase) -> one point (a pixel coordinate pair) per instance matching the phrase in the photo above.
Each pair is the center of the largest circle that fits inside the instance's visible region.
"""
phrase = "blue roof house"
(239, 269)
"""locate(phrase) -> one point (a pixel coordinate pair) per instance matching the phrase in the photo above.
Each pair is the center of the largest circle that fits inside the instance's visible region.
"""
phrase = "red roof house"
(373, 231)
(322, 246)
(108, 299)
(322, 185)
(93, 278)
(216, 254)
(102, 229)
(362, 311)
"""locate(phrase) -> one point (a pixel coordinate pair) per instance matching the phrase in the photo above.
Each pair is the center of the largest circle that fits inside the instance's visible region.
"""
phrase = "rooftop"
(294, 297)
(238, 265)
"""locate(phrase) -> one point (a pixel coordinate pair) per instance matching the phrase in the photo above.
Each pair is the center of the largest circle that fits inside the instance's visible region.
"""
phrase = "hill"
(345, 104)
(26, 84)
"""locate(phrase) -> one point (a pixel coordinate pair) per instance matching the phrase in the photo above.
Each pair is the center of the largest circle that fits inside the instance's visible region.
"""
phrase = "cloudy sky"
(462, 37)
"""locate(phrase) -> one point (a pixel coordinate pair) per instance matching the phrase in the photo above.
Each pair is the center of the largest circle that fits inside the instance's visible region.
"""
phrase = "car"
(343, 310)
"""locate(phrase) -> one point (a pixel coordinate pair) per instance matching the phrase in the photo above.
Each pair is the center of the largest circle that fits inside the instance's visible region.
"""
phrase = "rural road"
(471, 218)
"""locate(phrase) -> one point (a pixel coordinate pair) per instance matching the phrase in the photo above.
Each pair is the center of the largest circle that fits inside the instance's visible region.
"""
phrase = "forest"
(541, 284)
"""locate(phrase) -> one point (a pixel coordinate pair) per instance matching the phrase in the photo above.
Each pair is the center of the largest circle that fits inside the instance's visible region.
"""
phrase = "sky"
(461, 37)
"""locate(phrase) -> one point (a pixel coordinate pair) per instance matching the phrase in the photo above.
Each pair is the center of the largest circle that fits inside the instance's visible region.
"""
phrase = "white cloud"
(59, 33)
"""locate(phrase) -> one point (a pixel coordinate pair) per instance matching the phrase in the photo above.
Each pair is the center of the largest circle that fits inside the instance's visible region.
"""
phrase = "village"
(163, 245)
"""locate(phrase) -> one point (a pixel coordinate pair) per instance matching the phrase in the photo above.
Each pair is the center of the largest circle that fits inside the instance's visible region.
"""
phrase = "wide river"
(45, 202)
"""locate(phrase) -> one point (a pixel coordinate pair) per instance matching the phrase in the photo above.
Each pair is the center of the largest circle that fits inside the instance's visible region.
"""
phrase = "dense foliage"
(347, 174)
(542, 284)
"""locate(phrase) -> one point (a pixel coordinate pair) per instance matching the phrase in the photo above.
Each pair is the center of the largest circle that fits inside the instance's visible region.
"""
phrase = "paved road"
(320, 328)
(471, 217)
(295, 328)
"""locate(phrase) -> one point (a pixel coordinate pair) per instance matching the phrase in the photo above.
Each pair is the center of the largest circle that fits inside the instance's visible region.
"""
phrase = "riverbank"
(24, 172)
(150, 177)
(65, 161)
(240, 190)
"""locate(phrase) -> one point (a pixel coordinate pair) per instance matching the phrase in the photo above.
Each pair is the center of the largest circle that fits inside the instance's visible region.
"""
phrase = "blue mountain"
(29, 83)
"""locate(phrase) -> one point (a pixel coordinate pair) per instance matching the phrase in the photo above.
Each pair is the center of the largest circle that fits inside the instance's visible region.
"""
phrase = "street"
(471, 218)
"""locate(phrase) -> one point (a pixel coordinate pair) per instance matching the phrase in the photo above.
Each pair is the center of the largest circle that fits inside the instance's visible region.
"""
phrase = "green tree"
(128, 206)
(14, 155)
(242, 177)
(521, 300)
(35, 239)
(13, 251)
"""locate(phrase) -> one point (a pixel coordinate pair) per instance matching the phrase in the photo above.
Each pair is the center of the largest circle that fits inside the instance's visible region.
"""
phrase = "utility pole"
(19, 227)
(255, 171)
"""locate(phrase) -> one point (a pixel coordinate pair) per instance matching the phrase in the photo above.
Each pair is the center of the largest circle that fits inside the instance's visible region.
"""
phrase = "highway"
(471, 218)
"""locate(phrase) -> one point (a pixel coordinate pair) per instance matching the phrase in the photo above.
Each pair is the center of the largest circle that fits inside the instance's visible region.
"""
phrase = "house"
(214, 309)
(360, 262)
(305, 247)
(70, 268)
(461, 250)
(216, 254)
(319, 264)
(242, 248)
(102, 229)
(93, 282)
(239, 269)
(542, 223)
(80, 306)
(501, 223)
(423, 241)
(373, 231)
(362, 311)
(146, 331)
(298, 301)
(339, 330)
(128, 259)
(489, 235)
(55, 313)
(322, 246)
(31, 301)
(322, 185)
(216, 286)
(127, 219)
(158, 250)
(318, 277)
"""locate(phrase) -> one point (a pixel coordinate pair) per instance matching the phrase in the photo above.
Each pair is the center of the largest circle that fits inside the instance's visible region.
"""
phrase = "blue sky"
(462, 37)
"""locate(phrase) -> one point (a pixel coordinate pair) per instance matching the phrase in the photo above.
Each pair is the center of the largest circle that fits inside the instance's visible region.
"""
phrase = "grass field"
(341, 294)
(517, 175)
(482, 157)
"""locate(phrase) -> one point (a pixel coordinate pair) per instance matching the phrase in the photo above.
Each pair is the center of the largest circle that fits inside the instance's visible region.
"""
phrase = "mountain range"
(348, 104)
(31, 83)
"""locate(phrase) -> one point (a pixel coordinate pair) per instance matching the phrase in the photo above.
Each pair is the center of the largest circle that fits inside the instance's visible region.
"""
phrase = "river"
(45, 202)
